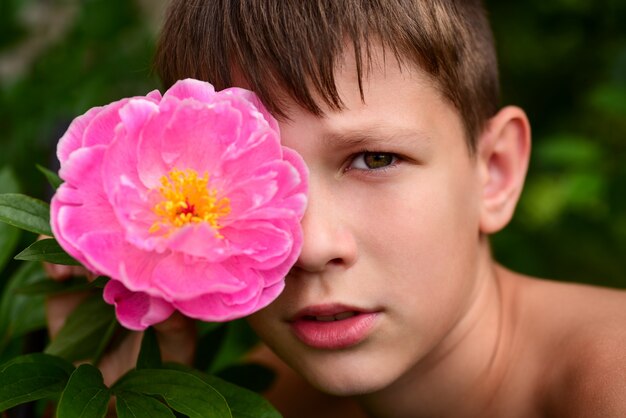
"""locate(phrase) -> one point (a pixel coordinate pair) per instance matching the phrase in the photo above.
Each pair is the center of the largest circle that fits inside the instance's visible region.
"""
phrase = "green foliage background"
(564, 61)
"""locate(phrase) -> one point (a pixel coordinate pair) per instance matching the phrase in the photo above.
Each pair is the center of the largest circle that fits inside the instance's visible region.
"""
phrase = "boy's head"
(398, 209)
(290, 49)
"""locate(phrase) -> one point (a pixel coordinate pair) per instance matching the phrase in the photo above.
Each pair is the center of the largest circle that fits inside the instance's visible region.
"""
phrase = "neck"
(462, 374)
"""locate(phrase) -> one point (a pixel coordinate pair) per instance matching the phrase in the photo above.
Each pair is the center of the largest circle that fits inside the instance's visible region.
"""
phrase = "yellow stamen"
(188, 199)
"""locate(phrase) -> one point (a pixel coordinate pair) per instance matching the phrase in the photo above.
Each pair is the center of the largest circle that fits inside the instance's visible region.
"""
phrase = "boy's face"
(391, 234)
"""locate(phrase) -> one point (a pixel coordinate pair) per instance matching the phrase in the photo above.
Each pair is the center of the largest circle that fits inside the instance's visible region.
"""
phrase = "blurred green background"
(564, 61)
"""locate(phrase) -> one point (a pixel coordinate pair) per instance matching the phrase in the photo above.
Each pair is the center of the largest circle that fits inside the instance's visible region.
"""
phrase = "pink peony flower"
(187, 202)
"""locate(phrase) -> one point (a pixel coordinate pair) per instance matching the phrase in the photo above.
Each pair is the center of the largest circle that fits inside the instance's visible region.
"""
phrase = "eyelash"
(395, 159)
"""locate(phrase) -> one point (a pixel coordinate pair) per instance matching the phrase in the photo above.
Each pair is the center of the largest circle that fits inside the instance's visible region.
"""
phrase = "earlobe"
(503, 154)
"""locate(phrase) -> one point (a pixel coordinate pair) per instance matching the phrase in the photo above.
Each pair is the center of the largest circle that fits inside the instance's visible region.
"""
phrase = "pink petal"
(226, 307)
(155, 96)
(136, 310)
(191, 89)
(258, 145)
(249, 96)
(200, 240)
(296, 161)
(73, 137)
(87, 208)
(180, 277)
(133, 208)
(189, 144)
(101, 129)
(258, 241)
(269, 295)
(135, 114)
(265, 189)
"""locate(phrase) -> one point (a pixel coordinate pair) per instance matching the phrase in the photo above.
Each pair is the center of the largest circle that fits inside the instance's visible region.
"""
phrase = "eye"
(373, 160)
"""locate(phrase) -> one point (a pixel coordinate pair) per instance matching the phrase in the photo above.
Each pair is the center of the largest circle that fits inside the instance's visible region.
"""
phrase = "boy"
(395, 300)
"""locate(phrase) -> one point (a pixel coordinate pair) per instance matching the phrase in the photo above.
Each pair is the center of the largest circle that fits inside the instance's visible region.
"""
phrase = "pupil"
(377, 160)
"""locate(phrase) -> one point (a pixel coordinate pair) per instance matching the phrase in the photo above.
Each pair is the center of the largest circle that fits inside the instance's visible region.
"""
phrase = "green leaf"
(25, 212)
(249, 375)
(210, 340)
(52, 177)
(20, 314)
(47, 250)
(243, 403)
(238, 341)
(9, 235)
(85, 396)
(8, 181)
(136, 405)
(150, 354)
(182, 391)
(85, 330)
(99, 282)
(31, 377)
(46, 286)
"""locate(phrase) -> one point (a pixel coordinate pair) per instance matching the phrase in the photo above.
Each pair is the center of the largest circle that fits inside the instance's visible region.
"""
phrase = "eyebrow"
(375, 136)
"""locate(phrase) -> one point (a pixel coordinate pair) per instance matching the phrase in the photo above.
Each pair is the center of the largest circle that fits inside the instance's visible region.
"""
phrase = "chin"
(344, 378)
(345, 387)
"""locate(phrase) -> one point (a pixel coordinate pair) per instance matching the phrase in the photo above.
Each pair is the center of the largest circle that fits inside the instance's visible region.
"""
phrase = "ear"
(503, 153)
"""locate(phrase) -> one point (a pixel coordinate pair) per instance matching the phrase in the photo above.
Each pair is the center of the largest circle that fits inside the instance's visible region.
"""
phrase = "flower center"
(187, 199)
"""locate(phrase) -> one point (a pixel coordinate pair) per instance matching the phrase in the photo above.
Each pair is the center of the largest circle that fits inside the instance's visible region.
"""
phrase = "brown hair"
(292, 46)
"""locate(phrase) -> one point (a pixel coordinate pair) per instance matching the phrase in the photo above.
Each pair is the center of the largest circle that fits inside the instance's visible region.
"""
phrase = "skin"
(456, 334)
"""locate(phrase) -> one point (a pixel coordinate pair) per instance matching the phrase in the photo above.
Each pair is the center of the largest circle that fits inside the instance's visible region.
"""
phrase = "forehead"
(398, 101)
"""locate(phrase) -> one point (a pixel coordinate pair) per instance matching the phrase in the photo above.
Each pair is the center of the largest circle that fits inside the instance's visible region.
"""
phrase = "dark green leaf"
(243, 403)
(47, 250)
(136, 405)
(52, 177)
(31, 377)
(25, 212)
(182, 391)
(8, 181)
(238, 341)
(51, 287)
(211, 339)
(99, 282)
(249, 375)
(20, 314)
(9, 235)
(106, 339)
(83, 334)
(150, 354)
(85, 396)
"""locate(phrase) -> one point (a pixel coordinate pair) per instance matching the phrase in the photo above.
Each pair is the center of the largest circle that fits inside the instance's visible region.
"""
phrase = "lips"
(333, 327)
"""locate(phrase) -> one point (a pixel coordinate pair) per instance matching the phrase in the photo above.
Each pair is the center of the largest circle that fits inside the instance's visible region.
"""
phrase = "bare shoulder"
(582, 330)
(592, 377)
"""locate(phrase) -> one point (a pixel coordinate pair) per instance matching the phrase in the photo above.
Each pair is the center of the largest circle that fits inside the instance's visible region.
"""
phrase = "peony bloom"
(187, 202)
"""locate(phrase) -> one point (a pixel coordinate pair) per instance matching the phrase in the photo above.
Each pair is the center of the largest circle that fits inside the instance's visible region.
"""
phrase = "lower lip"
(334, 335)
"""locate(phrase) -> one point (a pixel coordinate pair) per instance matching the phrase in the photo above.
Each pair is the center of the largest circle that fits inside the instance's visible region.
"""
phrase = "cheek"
(425, 237)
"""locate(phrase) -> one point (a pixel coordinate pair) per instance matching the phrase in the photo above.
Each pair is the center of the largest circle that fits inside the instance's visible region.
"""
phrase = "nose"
(328, 241)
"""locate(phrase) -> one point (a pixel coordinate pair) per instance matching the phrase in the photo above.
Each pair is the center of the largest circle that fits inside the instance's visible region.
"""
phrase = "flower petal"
(200, 240)
(136, 310)
(180, 277)
(191, 89)
(73, 137)
(225, 307)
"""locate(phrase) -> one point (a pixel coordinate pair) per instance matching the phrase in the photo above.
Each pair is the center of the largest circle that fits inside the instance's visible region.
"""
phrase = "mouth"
(333, 327)
(329, 318)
